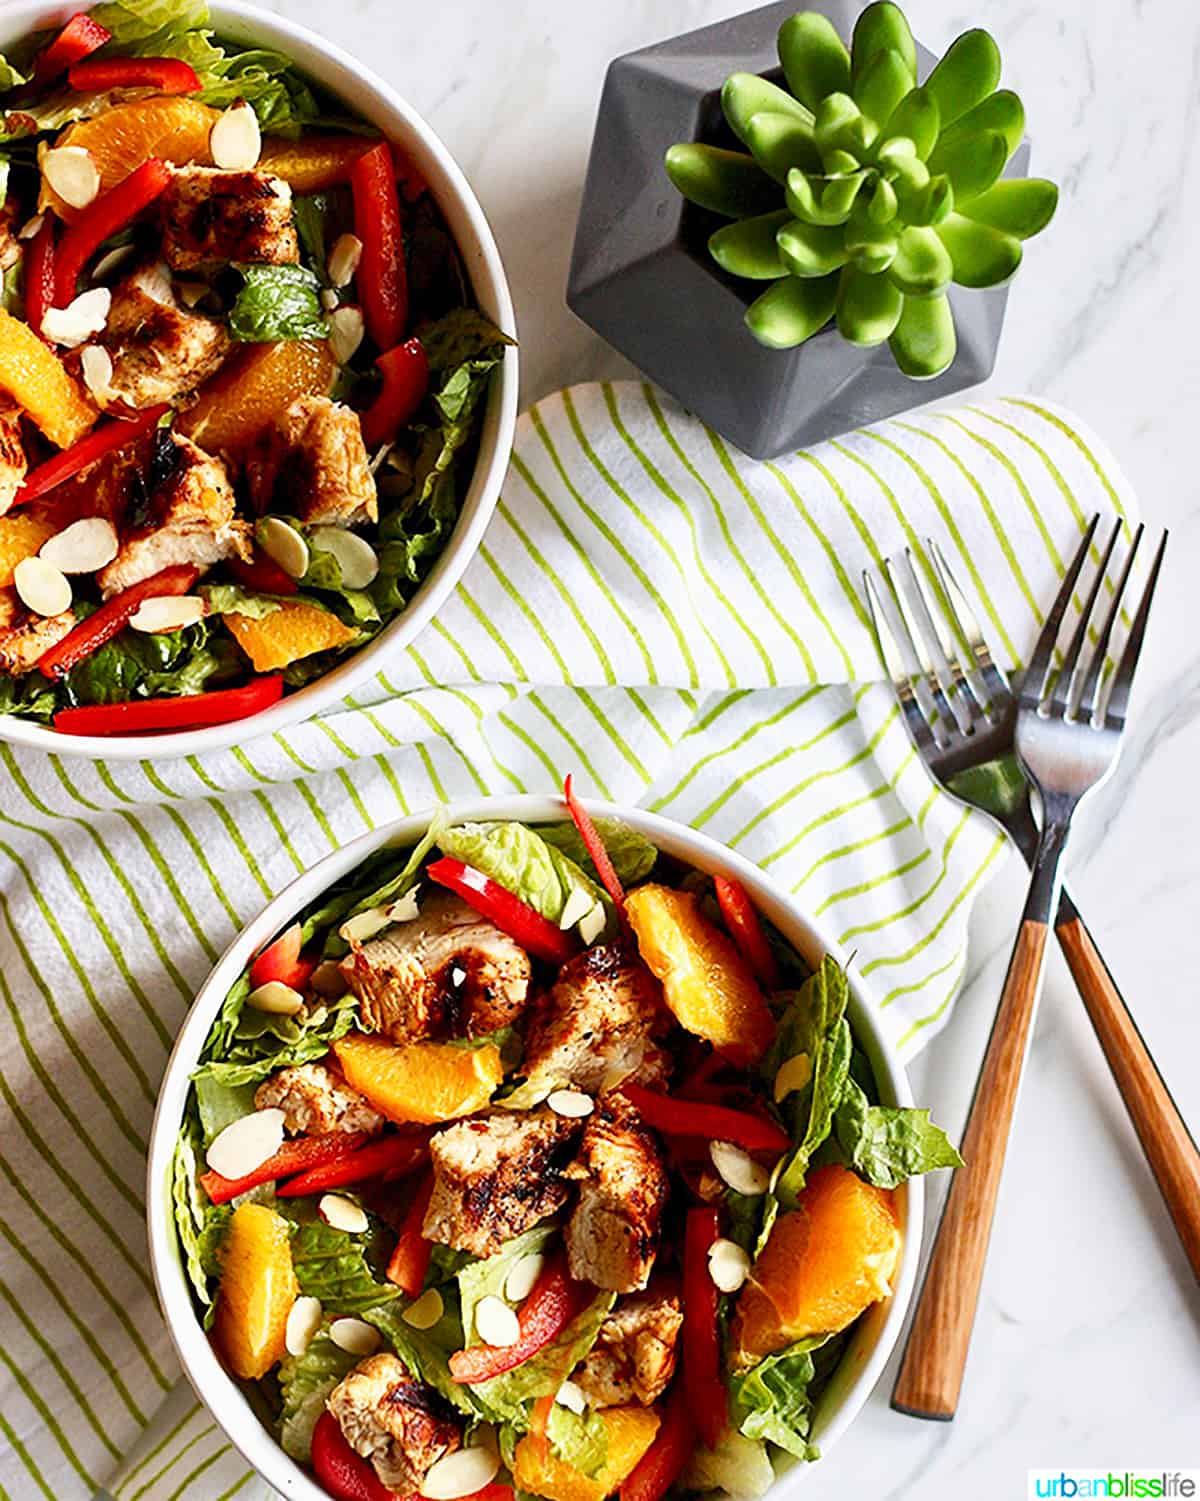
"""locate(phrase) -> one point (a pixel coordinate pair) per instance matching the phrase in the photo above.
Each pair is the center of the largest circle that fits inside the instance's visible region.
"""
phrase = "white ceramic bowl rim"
(374, 99)
(876, 1333)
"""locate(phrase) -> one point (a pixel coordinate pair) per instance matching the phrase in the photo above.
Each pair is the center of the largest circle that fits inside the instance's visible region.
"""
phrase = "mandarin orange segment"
(423, 1082)
(37, 381)
(233, 408)
(258, 1288)
(21, 535)
(706, 982)
(631, 1431)
(314, 161)
(292, 631)
(823, 1265)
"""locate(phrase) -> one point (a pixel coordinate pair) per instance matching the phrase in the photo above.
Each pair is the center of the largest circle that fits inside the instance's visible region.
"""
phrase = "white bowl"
(876, 1332)
(369, 96)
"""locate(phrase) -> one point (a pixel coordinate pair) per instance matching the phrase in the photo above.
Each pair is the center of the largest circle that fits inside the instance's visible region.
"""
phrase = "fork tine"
(1123, 680)
(1043, 652)
(889, 650)
(1091, 687)
(968, 631)
(932, 625)
(924, 654)
(1060, 699)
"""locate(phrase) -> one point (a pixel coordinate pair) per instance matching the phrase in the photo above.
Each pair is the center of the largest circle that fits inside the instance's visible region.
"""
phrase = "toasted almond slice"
(738, 1169)
(496, 1323)
(31, 228)
(578, 904)
(591, 925)
(72, 174)
(82, 547)
(572, 1397)
(405, 908)
(364, 925)
(346, 329)
(572, 1103)
(355, 1336)
(426, 1311)
(97, 366)
(461, 1474)
(43, 588)
(112, 260)
(520, 1280)
(246, 1143)
(728, 1265)
(344, 259)
(329, 299)
(328, 980)
(302, 1323)
(343, 1214)
(75, 324)
(235, 140)
(791, 1075)
(284, 544)
(167, 612)
(192, 292)
(276, 998)
(356, 558)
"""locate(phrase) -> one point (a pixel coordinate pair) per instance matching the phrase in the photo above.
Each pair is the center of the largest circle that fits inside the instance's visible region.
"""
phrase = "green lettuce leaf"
(199, 1223)
(738, 1466)
(245, 1045)
(29, 696)
(136, 664)
(10, 77)
(220, 1106)
(772, 1400)
(519, 859)
(304, 1383)
(277, 302)
(578, 1439)
(332, 1265)
(426, 1352)
(885, 1144)
(232, 599)
(631, 853)
(378, 882)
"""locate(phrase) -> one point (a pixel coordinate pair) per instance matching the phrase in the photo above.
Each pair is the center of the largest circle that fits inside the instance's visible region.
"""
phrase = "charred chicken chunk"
(210, 217)
(401, 1425)
(25, 638)
(159, 350)
(497, 1175)
(13, 463)
(311, 462)
(443, 973)
(612, 1235)
(315, 1101)
(633, 1358)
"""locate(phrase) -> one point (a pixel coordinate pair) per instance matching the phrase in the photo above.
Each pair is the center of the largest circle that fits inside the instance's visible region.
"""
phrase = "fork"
(963, 720)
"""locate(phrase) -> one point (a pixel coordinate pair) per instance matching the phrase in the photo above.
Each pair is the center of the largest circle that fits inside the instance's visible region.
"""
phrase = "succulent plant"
(891, 189)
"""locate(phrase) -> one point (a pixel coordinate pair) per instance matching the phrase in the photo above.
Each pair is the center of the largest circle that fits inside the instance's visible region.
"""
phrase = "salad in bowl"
(533, 1156)
(244, 375)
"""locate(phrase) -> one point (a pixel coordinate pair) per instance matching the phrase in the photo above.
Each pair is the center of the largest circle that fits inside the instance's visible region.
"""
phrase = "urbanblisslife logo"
(1114, 1485)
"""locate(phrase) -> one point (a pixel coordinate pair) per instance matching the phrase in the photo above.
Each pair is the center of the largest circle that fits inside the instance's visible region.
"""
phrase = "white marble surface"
(1087, 1350)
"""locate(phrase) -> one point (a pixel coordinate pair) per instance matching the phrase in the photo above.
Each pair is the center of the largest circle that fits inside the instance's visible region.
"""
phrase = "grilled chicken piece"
(443, 973)
(311, 462)
(11, 249)
(210, 217)
(612, 1235)
(401, 1425)
(191, 518)
(593, 1027)
(315, 1101)
(159, 350)
(633, 1358)
(26, 638)
(497, 1175)
(112, 487)
(13, 463)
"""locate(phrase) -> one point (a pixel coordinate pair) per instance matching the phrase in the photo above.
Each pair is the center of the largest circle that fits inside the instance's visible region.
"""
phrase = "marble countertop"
(1086, 1352)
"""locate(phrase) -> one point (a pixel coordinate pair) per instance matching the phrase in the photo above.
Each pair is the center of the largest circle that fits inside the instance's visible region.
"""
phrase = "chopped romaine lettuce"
(772, 1400)
(232, 599)
(333, 1266)
(200, 1223)
(426, 1352)
(631, 853)
(277, 302)
(738, 1466)
(246, 1045)
(519, 859)
(150, 664)
(578, 1439)
(304, 1383)
(887, 1144)
(220, 1106)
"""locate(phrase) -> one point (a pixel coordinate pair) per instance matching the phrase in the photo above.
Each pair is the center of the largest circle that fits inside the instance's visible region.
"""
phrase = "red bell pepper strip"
(382, 274)
(39, 275)
(595, 846)
(80, 37)
(545, 1313)
(103, 217)
(390, 1156)
(410, 1259)
(112, 616)
(262, 573)
(701, 1338)
(746, 930)
(676, 1117)
(341, 1472)
(169, 75)
(405, 372)
(292, 1157)
(188, 711)
(667, 1457)
(118, 433)
(531, 930)
(281, 961)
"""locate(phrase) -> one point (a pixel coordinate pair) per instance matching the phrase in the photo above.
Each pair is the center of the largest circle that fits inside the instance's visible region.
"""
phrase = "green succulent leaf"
(727, 182)
(1002, 111)
(982, 256)
(781, 142)
(811, 250)
(917, 117)
(870, 246)
(815, 60)
(1020, 206)
(840, 126)
(868, 307)
(922, 265)
(748, 247)
(908, 175)
(884, 203)
(924, 343)
(792, 310)
(822, 200)
(973, 164)
(745, 95)
(884, 82)
(881, 27)
(966, 75)
(840, 163)
(931, 204)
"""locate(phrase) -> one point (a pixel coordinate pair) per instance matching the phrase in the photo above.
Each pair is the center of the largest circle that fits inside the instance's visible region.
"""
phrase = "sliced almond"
(31, 228)
(365, 925)
(578, 904)
(356, 558)
(496, 1323)
(329, 299)
(346, 329)
(457, 975)
(72, 174)
(44, 589)
(355, 1336)
(276, 998)
(405, 908)
(76, 323)
(235, 140)
(520, 1280)
(461, 1474)
(344, 259)
(572, 1103)
(112, 260)
(792, 1075)
(167, 612)
(592, 924)
(738, 1169)
(572, 1397)
(82, 547)
(343, 1214)
(246, 1143)
(192, 292)
(426, 1311)
(328, 980)
(97, 366)
(284, 544)
(728, 1265)
(302, 1324)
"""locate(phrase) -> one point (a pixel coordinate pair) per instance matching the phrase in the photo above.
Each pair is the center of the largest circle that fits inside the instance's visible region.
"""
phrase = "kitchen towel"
(671, 622)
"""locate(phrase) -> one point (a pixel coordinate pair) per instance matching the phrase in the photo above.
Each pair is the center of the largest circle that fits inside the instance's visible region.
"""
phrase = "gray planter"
(642, 277)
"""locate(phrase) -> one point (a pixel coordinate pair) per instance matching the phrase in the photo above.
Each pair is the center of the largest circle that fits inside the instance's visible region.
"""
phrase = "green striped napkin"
(672, 623)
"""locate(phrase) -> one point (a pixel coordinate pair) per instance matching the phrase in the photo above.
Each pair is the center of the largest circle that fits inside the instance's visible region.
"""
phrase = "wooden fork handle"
(1169, 1148)
(932, 1370)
